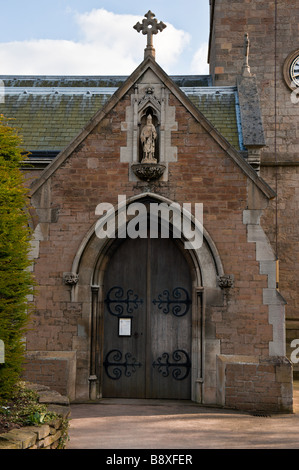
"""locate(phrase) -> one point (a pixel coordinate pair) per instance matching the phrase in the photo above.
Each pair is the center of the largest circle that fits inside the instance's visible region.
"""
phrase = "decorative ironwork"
(116, 301)
(181, 301)
(181, 369)
(113, 360)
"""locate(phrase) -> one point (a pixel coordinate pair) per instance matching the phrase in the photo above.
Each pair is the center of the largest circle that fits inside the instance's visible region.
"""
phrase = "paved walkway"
(153, 424)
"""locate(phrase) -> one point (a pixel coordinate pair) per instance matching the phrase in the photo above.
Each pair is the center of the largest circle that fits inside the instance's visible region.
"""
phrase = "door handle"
(136, 335)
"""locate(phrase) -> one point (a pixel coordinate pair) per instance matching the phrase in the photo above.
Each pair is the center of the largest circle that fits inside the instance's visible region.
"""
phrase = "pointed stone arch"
(206, 258)
(89, 266)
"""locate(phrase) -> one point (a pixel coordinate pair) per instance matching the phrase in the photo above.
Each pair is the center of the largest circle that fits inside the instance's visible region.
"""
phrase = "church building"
(163, 211)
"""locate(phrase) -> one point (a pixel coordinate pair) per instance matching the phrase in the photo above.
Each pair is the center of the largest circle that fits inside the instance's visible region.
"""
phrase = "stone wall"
(46, 372)
(207, 171)
(54, 369)
(255, 384)
(279, 157)
(33, 437)
(52, 435)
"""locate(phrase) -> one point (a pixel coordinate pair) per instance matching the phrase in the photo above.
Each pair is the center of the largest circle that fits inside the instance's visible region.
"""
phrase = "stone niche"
(149, 106)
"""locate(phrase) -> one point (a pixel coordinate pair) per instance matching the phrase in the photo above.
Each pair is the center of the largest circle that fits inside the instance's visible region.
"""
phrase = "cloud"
(199, 64)
(107, 45)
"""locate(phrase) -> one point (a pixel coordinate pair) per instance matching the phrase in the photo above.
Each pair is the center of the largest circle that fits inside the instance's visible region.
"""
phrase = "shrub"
(23, 409)
(16, 281)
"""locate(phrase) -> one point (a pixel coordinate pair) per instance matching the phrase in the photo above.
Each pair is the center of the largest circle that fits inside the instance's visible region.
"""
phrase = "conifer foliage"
(16, 281)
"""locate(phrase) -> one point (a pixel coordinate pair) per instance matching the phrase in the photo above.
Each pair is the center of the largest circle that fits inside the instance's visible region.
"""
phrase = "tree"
(16, 281)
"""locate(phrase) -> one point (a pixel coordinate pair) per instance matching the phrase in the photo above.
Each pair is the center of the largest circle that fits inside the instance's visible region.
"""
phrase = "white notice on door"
(124, 327)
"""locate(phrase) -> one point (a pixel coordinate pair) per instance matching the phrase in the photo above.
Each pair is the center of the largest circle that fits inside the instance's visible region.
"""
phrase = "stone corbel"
(70, 279)
(148, 171)
(254, 157)
(226, 281)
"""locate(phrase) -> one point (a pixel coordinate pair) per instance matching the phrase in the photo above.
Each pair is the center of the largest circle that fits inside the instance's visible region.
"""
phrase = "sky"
(96, 37)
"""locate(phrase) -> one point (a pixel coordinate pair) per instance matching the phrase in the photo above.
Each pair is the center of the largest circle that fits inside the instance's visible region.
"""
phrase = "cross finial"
(246, 68)
(149, 26)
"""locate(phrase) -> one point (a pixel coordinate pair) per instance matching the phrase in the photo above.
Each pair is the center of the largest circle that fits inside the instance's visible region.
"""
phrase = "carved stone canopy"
(148, 166)
(150, 97)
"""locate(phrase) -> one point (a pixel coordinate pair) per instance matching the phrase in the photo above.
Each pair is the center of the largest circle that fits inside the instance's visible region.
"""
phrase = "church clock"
(294, 71)
(291, 70)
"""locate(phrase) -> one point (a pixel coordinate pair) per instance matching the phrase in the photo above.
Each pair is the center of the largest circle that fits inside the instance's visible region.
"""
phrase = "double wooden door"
(147, 322)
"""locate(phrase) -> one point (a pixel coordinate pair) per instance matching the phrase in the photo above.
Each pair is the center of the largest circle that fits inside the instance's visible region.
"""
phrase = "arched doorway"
(147, 321)
(92, 263)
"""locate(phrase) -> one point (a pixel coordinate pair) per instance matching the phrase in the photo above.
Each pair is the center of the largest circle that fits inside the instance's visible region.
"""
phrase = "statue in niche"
(148, 139)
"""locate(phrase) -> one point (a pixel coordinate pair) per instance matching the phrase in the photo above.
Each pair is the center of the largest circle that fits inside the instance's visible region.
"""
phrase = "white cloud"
(170, 45)
(108, 45)
(199, 64)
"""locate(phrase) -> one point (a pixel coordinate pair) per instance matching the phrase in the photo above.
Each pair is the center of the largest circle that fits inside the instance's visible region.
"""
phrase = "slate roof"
(51, 111)
(221, 107)
(149, 65)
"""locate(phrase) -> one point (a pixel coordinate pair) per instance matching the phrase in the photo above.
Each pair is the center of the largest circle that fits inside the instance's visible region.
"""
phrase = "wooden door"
(147, 322)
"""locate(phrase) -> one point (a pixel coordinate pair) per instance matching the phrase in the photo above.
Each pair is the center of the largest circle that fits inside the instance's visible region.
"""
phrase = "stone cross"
(246, 68)
(149, 26)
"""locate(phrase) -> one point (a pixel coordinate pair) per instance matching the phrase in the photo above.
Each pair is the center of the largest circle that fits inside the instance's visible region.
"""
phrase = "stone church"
(153, 314)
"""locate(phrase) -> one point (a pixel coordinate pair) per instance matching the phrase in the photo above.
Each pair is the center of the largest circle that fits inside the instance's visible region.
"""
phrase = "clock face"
(294, 71)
